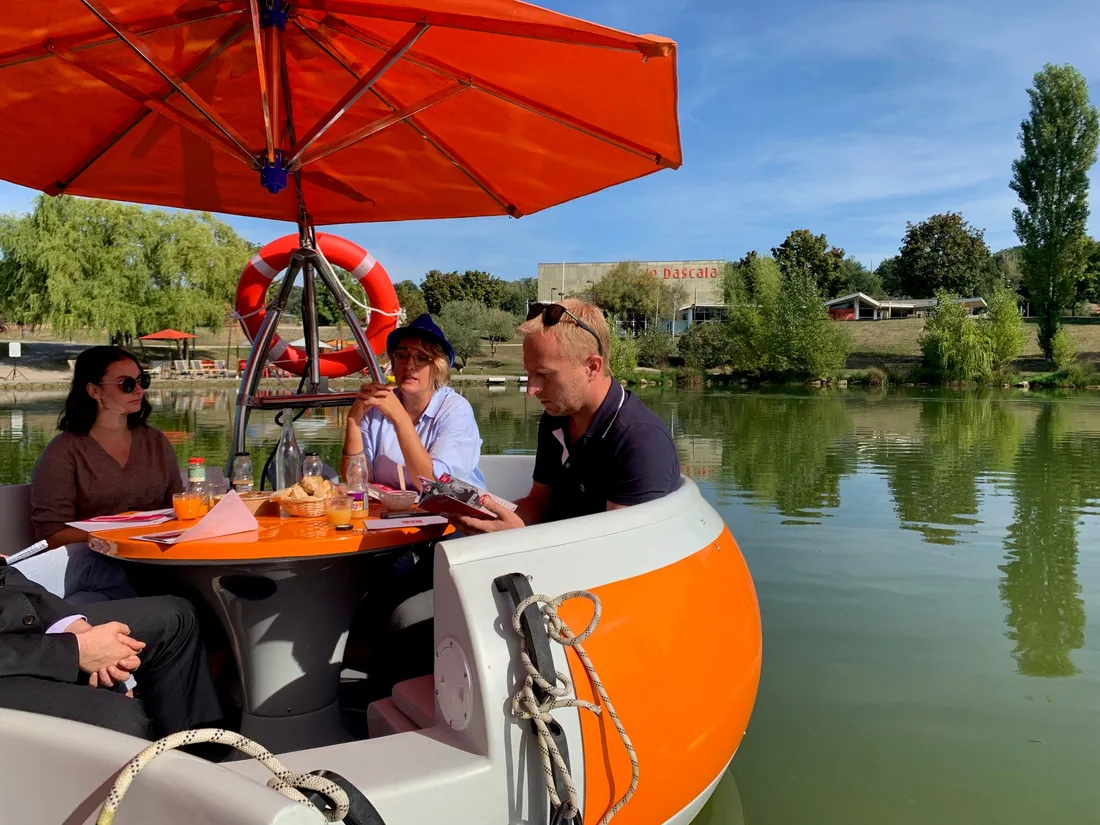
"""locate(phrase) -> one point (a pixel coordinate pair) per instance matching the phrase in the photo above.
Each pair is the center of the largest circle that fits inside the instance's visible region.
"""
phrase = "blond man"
(599, 447)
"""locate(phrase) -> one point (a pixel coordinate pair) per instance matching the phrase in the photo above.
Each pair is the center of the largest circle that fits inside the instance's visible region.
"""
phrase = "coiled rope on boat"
(525, 704)
(285, 781)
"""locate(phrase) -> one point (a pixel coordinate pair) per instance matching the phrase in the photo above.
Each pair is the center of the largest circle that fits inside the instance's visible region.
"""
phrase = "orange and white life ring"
(274, 258)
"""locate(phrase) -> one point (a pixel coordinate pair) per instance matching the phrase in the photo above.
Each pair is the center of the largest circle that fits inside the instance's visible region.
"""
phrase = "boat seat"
(410, 707)
(384, 719)
(416, 699)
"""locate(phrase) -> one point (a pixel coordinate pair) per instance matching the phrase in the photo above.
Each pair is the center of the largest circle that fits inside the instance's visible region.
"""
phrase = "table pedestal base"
(288, 625)
(281, 734)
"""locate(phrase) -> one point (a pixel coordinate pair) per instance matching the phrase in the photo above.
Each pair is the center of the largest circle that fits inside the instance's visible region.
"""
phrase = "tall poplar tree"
(1059, 142)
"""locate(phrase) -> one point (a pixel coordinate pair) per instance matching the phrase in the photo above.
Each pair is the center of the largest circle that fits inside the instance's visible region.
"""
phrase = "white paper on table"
(229, 516)
(408, 521)
(145, 518)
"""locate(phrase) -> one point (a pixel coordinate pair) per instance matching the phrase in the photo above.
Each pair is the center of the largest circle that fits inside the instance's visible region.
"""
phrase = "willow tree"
(1059, 142)
(80, 264)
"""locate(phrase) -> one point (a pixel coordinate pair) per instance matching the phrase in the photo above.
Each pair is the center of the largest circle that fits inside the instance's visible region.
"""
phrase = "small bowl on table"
(394, 500)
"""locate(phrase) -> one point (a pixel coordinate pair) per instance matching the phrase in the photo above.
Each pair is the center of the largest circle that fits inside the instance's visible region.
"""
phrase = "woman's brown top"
(76, 479)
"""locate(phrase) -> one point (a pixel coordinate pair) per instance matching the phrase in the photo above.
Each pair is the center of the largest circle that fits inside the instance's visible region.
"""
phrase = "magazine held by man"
(451, 497)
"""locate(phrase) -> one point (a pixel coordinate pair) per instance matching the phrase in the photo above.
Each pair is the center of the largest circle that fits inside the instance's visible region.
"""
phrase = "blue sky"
(847, 118)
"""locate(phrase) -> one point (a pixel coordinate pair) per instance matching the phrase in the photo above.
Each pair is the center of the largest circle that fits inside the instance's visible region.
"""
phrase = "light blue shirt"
(448, 431)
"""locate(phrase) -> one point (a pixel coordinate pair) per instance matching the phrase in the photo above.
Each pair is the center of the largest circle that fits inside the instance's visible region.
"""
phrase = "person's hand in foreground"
(505, 519)
(106, 652)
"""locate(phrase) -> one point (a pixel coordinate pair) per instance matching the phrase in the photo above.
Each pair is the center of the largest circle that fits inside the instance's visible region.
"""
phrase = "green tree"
(411, 298)
(462, 322)
(953, 343)
(482, 287)
(516, 295)
(943, 252)
(704, 346)
(1004, 269)
(889, 276)
(92, 264)
(806, 255)
(440, 289)
(498, 326)
(655, 347)
(858, 278)
(779, 325)
(630, 294)
(1059, 142)
(623, 358)
(1004, 328)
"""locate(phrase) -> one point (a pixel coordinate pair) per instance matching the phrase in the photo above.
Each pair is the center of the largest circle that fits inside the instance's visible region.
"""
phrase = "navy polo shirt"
(625, 457)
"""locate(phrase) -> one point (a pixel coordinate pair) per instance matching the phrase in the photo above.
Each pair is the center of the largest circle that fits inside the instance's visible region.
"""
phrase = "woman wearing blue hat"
(420, 422)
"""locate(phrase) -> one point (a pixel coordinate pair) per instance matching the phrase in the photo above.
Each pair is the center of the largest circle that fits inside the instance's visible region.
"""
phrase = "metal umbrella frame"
(598, 126)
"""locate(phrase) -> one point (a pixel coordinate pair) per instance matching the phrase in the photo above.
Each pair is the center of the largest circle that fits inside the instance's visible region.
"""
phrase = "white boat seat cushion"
(416, 699)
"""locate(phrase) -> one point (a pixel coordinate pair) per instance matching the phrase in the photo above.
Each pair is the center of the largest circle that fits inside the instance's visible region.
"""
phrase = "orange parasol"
(379, 110)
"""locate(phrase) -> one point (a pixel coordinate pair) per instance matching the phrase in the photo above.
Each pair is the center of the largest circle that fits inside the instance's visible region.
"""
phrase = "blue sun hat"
(423, 327)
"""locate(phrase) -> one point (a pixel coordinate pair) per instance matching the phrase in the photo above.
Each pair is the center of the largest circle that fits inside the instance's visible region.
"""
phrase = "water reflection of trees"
(933, 475)
(787, 453)
(1055, 478)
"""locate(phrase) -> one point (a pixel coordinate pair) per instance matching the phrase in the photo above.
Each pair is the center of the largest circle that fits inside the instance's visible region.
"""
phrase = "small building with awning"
(860, 306)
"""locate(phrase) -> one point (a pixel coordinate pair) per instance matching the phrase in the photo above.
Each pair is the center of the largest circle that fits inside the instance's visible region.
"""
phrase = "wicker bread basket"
(300, 507)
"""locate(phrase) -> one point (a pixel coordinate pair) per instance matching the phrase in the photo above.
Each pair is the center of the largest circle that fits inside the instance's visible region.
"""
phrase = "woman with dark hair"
(107, 460)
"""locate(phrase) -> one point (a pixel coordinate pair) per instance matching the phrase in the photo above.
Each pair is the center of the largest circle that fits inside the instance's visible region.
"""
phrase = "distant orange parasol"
(166, 335)
(330, 111)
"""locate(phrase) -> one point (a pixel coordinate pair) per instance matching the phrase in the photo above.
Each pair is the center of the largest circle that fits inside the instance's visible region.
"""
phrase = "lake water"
(927, 565)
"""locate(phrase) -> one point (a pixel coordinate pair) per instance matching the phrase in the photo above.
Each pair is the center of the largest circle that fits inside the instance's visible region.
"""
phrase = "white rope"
(350, 297)
(284, 781)
(526, 706)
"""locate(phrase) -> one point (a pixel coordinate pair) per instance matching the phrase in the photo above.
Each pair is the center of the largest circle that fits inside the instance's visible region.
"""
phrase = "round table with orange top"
(286, 594)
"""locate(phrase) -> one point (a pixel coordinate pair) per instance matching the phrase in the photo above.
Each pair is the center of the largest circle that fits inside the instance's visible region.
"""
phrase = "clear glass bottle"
(357, 485)
(312, 465)
(288, 458)
(241, 473)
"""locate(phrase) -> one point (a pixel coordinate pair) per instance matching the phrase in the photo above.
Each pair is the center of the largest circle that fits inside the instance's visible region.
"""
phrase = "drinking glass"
(188, 505)
(338, 509)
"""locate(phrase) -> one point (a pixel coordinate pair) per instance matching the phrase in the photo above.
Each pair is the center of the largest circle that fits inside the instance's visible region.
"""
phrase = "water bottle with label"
(357, 485)
(288, 458)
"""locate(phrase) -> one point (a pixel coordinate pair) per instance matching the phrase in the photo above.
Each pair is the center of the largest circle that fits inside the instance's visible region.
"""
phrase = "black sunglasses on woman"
(552, 314)
(129, 383)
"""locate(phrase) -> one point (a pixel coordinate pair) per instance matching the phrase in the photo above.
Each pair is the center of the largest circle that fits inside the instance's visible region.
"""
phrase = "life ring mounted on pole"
(274, 258)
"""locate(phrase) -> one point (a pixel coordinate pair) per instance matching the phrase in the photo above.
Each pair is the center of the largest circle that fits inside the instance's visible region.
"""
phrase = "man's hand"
(108, 646)
(505, 519)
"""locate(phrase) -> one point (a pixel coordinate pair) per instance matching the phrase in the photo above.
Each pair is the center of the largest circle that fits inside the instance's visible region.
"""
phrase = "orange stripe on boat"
(679, 651)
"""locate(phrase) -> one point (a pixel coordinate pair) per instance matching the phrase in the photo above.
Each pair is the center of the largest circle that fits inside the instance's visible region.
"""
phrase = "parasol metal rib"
(90, 40)
(481, 84)
(606, 39)
(336, 53)
(383, 123)
(99, 73)
(358, 89)
(216, 48)
(258, 41)
(185, 91)
(199, 128)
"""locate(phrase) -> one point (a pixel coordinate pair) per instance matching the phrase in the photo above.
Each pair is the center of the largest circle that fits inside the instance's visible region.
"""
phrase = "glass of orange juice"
(338, 509)
(188, 506)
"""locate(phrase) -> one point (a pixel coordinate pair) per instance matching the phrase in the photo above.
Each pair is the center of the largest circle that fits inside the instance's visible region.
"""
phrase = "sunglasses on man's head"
(553, 313)
(129, 383)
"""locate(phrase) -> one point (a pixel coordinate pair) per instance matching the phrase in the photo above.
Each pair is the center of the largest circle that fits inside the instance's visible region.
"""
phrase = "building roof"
(701, 306)
(901, 303)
